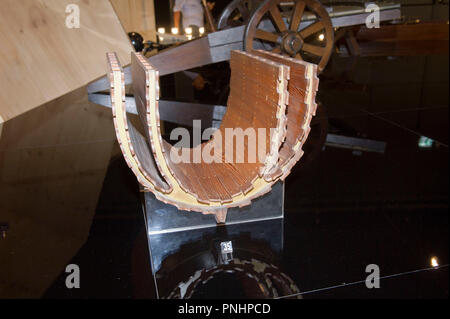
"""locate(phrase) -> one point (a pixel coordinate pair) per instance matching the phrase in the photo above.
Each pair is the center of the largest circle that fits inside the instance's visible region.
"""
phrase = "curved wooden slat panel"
(270, 95)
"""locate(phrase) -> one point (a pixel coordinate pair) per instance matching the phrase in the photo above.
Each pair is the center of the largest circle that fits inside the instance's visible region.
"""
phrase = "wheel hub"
(292, 43)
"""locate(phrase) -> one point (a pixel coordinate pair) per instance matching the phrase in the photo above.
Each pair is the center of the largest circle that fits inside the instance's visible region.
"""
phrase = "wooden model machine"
(269, 93)
(272, 94)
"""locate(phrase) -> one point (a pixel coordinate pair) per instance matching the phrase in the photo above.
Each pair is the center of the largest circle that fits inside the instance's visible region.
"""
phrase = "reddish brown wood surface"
(299, 111)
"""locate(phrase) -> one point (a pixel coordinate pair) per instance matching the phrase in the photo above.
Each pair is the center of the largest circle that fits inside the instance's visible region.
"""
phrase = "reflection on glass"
(434, 262)
(425, 142)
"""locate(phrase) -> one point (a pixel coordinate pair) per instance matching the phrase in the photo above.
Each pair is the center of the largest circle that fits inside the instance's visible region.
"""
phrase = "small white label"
(373, 280)
(226, 247)
(73, 279)
(373, 19)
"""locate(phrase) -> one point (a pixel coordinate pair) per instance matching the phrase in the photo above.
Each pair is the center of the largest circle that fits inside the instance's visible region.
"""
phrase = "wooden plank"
(134, 147)
(42, 59)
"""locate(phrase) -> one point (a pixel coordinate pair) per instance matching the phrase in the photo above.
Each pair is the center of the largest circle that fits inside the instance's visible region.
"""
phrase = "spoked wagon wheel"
(303, 31)
(236, 13)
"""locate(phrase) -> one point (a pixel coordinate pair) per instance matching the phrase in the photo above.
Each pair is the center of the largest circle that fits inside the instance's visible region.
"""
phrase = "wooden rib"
(277, 18)
(303, 84)
(145, 156)
(133, 152)
(144, 159)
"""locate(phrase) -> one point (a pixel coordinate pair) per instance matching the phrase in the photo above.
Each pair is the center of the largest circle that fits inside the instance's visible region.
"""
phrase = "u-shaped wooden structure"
(269, 110)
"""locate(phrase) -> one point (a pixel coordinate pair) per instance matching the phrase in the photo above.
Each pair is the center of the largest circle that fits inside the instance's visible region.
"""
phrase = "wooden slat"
(302, 88)
(135, 149)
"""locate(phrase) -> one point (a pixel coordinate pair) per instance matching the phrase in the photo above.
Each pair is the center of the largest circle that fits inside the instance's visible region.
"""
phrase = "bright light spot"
(174, 30)
(321, 37)
(161, 38)
(188, 30)
(201, 30)
(425, 142)
(434, 262)
(161, 30)
(189, 37)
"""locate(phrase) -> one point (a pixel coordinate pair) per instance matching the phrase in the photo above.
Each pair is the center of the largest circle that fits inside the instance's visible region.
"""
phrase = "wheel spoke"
(277, 18)
(297, 15)
(267, 36)
(313, 49)
(243, 11)
(311, 29)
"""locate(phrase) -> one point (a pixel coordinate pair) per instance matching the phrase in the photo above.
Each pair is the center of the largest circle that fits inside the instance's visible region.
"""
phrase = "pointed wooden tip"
(221, 216)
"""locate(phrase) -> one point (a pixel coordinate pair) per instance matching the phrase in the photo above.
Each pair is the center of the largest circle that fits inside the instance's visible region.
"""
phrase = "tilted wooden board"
(267, 91)
(137, 16)
(42, 59)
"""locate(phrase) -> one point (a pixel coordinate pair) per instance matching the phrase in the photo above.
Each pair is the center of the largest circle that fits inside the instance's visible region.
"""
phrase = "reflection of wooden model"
(267, 91)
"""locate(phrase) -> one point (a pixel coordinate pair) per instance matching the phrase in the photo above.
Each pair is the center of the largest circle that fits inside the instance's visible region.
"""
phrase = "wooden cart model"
(272, 90)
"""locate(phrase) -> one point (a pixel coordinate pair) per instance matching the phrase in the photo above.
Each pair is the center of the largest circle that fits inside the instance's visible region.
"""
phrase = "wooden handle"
(209, 17)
